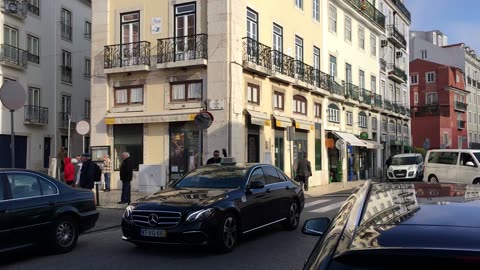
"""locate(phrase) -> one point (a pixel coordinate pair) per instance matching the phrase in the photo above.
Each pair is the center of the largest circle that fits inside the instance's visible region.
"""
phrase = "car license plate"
(153, 233)
(401, 175)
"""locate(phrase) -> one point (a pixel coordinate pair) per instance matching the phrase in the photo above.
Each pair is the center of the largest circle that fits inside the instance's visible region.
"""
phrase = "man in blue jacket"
(87, 173)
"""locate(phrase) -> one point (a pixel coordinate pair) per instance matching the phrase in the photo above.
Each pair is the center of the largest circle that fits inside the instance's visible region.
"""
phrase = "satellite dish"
(203, 120)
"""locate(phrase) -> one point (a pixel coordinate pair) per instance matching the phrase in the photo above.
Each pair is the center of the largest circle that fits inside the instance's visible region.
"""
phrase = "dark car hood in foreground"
(186, 197)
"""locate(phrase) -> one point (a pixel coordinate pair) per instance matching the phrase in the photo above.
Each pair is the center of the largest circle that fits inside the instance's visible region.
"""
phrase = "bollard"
(98, 194)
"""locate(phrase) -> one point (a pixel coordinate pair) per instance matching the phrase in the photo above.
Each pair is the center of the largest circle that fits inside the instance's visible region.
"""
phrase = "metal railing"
(403, 9)
(283, 63)
(368, 10)
(66, 74)
(129, 54)
(352, 91)
(461, 124)
(366, 96)
(393, 32)
(36, 114)
(396, 108)
(397, 71)
(13, 55)
(337, 88)
(304, 72)
(403, 110)
(182, 48)
(461, 106)
(378, 101)
(16, 7)
(388, 105)
(33, 58)
(66, 31)
(257, 53)
(432, 110)
(33, 9)
(63, 120)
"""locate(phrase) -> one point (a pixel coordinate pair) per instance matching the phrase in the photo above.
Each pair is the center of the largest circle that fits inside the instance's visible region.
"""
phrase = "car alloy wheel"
(65, 234)
(229, 232)
(293, 218)
(433, 179)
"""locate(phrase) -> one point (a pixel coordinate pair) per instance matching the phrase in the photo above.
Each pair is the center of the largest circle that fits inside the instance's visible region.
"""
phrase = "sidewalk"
(332, 188)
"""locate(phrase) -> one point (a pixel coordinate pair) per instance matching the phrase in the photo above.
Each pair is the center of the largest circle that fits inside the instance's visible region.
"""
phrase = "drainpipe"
(55, 119)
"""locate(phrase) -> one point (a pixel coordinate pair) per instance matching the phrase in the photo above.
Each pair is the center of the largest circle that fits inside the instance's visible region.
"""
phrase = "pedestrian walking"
(107, 170)
(87, 173)
(304, 171)
(61, 155)
(356, 166)
(126, 175)
(77, 162)
(69, 172)
(215, 159)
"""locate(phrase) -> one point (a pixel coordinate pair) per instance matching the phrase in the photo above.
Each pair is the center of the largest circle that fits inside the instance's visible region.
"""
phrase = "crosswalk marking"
(315, 203)
(328, 207)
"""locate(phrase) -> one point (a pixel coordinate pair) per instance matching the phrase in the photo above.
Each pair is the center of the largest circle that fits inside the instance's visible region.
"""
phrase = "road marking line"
(315, 203)
(328, 208)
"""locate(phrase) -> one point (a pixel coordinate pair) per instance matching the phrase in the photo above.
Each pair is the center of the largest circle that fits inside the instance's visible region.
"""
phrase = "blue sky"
(459, 20)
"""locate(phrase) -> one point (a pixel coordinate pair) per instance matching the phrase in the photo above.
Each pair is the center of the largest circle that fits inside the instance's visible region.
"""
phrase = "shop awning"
(282, 121)
(141, 117)
(259, 118)
(304, 124)
(350, 139)
(372, 144)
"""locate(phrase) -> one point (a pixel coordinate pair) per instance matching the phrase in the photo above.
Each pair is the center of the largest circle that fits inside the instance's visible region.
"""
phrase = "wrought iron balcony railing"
(63, 120)
(352, 91)
(432, 110)
(378, 100)
(368, 10)
(33, 9)
(409, 112)
(383, 65)
(397, 71)
(36, 114)
(13, 55)
(182, 48)
(388, 105)
(18, 7)
(66, 74)
(394, 33)
(403, 110)
(33, 58)
(336, 88)
(396, 108)
(283, 63)
(257, 53)
(403, 9)
(366, 96)
(129, 54)
(461, 124)
(460, 106)
(66, 31)
(304, 72)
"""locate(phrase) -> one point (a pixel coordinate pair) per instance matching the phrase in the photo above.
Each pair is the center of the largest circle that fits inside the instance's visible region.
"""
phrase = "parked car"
(406, 167)
(36, 209)
(400, 226)
(215, 205)
(453, 165)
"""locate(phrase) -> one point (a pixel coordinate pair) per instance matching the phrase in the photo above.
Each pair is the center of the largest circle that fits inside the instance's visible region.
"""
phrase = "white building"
(46, 48)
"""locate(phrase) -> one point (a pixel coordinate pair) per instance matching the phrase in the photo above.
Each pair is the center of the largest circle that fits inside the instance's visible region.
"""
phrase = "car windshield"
(477, 155)
(213, 177)
(404, 160)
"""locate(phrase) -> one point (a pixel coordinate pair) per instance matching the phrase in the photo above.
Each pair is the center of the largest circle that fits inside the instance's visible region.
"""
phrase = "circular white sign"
(12, 95)
(83, 127)
(340, 144)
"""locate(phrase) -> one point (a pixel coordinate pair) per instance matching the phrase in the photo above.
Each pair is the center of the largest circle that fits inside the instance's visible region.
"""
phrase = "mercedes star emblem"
(153, 219)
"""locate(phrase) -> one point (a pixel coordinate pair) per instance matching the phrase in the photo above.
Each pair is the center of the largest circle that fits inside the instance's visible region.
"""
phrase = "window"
(87, 109)
(457, 78)
(186, 91)
(349, 118)
(431, 98)
(460, 142)
(66, 105)
(318, 146)
(86, 69)
(299, 104)
(373, 45)
(277, 38)
(316, 10)
(185, 21)
(333, 66)
(445, 139)
(66, 24)
(129, 95)
(317, 108)
(33, 96)
(88, 30)
(391, 127)
(391, 97)
(414, 78)
(252, 24)
(373, 84)
(278, 100)
(470, 117)
(361, 79)
(26, 186)
(333, 113)
(257, 175)
(316, 58)
(130, 29)
(332, 19)
(34, 7)
(424, 54)
(253, 93)
(10, 39)
(66, 67)
(33, 49)
(374, 123)
(383, 90)
(348, 29)
(348, 73)
(298, 48)
(128, 138)
(415, 98)
(271, 175)
(430, 77)
(299, 4)
(361, 37)
(465, 157)
(362, 120)
(384, 126)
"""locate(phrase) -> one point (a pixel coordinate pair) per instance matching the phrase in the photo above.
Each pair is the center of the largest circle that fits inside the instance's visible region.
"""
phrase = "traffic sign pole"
(13, 139)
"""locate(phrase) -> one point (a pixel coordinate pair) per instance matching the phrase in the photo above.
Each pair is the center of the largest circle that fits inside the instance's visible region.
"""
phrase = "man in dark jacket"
(126, 175)
(87, 173)
(304, 171)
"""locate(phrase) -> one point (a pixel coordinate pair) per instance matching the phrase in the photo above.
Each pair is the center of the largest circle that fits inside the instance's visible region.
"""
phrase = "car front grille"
(156, 218)
(400, 173)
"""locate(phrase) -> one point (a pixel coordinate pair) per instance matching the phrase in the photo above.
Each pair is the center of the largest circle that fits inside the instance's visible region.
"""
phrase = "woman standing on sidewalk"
(68, 172)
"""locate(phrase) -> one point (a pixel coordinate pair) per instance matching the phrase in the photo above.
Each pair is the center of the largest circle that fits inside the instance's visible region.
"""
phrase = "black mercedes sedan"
(215, 205)
(401, 226)
(36, 209)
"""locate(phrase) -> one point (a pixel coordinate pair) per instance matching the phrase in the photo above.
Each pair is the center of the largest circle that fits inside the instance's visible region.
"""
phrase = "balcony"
(432, 110)
(182, 51)
(388, 105)
(16, 8)
(460, 106)
(13, 56)
(369, 11)
(396, 74)
(127, 57)
(378, 101)
(396, 37)
(396, 108)
(33, 9)
(257, 57)
(383, 65)
(365, 97)
(66, 31)
(403, 109)
(352, 91)
(63, 120)
(283, 66)
(304, 73)
(461, 124)
(33, 58)
(66, 74)
(402, 9)
(36, 115)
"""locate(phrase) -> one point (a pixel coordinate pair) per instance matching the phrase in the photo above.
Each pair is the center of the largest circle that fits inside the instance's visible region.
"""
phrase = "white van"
(452, 165)
(406, 167)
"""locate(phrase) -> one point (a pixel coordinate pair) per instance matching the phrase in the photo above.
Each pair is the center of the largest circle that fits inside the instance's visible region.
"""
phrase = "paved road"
(272, 248)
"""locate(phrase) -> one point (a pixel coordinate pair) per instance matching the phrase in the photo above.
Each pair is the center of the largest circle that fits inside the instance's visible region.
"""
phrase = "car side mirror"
(316, 226)
(256, 184)
(469, 163)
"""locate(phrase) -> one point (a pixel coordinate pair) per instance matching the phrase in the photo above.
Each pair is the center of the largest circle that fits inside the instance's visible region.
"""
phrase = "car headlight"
(390, 169)
(199, 215)
(411, 168)
(128, 213)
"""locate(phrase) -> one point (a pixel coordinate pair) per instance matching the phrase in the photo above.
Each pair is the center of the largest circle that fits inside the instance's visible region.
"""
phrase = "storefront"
(253, 121)
(356, 147)
(281, 123)
(185, 148)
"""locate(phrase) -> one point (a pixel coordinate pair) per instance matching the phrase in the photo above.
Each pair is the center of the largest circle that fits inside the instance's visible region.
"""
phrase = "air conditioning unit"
(399, 54)
(11, 6)
(383, 43)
